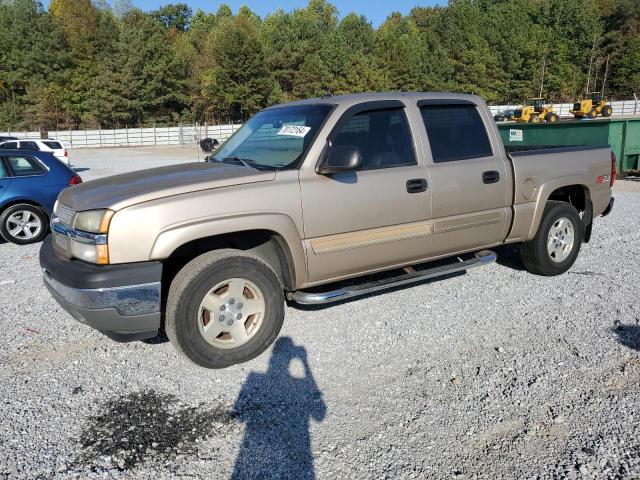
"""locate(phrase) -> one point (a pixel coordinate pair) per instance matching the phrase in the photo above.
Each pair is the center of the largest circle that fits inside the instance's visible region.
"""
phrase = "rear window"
(29, 146)
(25, 166)
(53, 145)
(456, 132)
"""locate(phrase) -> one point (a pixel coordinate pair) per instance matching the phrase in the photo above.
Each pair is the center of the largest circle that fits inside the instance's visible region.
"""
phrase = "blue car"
(30, 182)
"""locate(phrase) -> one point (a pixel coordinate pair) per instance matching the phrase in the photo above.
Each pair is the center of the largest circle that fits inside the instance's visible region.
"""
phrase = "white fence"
(136, 137)
(621, 108)
(192, 134)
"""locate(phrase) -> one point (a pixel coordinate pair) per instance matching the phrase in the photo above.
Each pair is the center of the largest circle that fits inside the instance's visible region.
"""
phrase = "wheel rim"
(24, 225)
(231, 313)
(560, 240)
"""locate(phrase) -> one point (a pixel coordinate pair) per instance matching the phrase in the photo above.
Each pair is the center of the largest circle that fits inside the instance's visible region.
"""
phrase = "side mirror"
(341, 158)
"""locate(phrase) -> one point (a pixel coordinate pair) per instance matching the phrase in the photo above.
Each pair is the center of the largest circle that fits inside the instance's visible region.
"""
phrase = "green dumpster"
(623, 135)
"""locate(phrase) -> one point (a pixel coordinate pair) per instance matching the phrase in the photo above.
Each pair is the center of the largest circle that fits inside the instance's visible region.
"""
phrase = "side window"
(382, 136)
(10, 145)
(456, 132)
(29, 146)
(25, 166)
(3, 171)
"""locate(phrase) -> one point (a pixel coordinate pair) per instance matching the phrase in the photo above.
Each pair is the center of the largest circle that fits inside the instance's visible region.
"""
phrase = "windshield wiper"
(244, 161)
(247, 162)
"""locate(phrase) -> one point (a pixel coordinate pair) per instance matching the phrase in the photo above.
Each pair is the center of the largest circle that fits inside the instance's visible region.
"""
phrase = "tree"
(174, 16)
(239, 84)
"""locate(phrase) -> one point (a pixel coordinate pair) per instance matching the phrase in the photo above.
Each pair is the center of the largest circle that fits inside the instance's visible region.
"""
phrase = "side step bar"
(306, 298)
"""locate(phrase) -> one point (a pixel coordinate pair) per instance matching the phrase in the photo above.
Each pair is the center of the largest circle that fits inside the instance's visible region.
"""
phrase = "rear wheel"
(607, 111)
(534, 119)
(224, 307)
(557, 243)
(23, 224)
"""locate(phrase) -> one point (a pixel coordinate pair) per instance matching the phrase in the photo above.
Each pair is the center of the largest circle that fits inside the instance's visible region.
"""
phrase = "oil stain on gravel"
(147, 426)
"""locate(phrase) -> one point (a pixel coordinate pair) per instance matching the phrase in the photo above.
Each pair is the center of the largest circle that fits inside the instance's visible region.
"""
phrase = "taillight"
(75, 180)
(614, 168)
(65, 154)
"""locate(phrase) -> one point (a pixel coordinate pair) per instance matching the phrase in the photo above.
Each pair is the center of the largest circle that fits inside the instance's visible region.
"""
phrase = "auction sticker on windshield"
(294, 130)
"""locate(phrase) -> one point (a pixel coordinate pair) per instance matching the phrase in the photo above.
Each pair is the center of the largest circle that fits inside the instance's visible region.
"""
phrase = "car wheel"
(557, 243)
(224, 307)
(607, 111)
(23, 224)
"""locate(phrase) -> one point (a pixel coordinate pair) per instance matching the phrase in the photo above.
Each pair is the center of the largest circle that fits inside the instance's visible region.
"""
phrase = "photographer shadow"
(277, 407)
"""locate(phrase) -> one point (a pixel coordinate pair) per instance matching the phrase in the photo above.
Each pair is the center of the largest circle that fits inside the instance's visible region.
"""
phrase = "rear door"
(376, 216)
(470, 182)
(5, 180)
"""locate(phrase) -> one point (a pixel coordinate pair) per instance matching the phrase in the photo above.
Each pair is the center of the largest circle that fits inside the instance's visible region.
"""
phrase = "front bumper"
(121, 301)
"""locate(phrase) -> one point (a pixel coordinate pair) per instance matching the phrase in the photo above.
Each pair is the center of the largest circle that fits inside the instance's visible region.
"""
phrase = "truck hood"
(120, 191)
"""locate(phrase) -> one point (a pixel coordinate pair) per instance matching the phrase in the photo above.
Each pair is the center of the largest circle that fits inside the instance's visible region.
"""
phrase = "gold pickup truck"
(304, 196)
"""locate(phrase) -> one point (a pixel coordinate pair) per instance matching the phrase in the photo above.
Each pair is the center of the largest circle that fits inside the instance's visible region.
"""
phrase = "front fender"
(174, 236)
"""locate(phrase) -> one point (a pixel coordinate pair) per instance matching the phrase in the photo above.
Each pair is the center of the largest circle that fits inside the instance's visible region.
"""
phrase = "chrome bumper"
(128, 300)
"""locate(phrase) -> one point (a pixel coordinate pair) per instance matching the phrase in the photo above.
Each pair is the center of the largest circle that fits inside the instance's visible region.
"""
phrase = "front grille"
(65, 214)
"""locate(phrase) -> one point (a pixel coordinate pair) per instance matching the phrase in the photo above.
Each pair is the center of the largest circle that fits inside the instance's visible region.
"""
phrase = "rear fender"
(544, 192)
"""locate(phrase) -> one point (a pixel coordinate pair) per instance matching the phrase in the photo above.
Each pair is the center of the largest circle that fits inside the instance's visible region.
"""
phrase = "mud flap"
(587, 221)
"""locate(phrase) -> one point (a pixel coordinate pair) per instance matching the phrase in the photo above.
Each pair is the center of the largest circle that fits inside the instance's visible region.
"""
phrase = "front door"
(376, 216)
(470, 182)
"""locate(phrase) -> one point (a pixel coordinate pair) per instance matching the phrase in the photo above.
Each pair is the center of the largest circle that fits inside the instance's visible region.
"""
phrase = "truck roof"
(355, 98)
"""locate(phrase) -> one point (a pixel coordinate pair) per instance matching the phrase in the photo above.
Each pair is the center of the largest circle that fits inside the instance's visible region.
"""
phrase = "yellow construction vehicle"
(591, 107)
(535, 112)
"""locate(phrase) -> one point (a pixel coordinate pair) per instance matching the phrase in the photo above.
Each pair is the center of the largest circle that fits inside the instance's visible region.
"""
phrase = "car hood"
(120, 191)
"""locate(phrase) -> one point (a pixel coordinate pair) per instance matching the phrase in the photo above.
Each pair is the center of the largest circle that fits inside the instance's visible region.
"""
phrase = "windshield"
(275, 138)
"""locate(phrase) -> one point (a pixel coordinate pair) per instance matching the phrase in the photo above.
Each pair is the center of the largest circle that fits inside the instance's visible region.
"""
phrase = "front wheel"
(224, 307)
(557, 243)
(23, 224)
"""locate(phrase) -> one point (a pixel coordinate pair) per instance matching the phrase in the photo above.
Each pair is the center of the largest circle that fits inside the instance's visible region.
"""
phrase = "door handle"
(491, 177)
(416, 185)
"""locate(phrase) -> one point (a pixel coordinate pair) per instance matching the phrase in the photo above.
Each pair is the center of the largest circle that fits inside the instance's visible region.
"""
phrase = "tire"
(187, 320)
(593, 113)
(535, 253)
(607, 111)
(551, 117)
(534, 119)
(23, 224)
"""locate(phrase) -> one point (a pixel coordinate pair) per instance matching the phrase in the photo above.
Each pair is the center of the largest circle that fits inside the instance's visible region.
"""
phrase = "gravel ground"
(492, 374)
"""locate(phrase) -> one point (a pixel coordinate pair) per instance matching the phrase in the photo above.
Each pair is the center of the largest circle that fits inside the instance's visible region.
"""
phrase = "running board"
(306, 298)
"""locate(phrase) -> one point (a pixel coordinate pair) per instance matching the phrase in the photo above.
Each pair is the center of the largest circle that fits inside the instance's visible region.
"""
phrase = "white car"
(43, 145)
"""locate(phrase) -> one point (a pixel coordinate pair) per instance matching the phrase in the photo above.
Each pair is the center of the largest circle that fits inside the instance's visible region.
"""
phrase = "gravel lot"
(491, 374)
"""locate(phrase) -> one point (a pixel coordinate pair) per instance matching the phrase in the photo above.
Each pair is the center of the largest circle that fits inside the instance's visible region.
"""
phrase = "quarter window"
(456, 132)
(24, 166)
(10, 145)
(53, 145)
(382, 136)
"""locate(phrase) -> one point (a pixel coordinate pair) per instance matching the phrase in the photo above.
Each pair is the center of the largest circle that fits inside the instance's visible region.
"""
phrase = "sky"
(375, 10)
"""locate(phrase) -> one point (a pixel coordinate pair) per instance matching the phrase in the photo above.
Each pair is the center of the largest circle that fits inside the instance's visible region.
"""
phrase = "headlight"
(93, 221)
